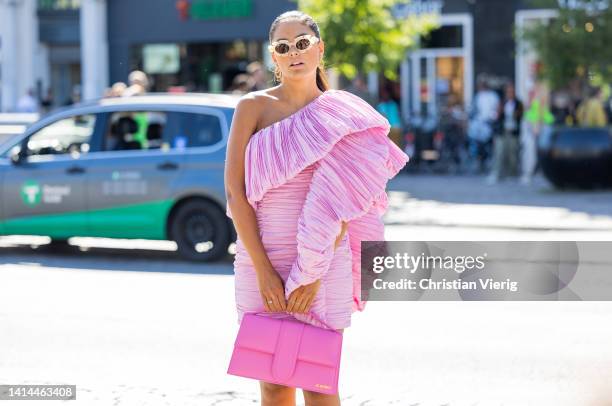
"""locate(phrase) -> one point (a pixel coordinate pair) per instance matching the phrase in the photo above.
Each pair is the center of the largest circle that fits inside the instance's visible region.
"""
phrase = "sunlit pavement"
(136, 326)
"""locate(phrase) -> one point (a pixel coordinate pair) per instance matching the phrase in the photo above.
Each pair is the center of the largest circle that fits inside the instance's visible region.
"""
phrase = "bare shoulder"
(257, 100)
(247, 106)
(252, 106)
(245, 118)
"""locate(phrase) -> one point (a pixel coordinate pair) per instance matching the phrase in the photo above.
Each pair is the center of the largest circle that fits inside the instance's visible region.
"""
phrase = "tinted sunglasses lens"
(302, 44)
(282, 48)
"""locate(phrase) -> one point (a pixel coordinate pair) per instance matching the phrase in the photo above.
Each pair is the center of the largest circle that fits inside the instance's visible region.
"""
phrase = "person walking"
(27, 103)
(484, 113)
(505, 137)
(538, 123)
(590, 112)
(389, 108)
(305, 176)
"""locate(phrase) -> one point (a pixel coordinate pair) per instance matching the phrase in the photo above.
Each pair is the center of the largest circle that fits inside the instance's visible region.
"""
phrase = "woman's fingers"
(277, 306)
(291, 302)
(297, 303)
(308, 305)
(266, 304)
(304, 304)
(283, 301)
(297, 300)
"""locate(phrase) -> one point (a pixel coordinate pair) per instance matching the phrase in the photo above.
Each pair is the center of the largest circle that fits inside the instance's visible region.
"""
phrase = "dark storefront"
(476, 38)
(59, 32)
(200, 44)
(494, 45)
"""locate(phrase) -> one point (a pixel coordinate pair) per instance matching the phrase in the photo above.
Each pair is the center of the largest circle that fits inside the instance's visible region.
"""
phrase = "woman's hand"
(272, 289)
(301, 298)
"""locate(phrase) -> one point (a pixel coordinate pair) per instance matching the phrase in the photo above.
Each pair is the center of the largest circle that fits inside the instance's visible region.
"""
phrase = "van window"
(134, 130)
(68, 135)
(193, 130)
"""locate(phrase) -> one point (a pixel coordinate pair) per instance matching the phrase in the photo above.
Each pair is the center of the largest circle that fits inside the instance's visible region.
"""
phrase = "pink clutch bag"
(288, 352)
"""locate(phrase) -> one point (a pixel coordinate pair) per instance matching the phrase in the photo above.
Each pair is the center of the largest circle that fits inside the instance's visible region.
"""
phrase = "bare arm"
(244, 124)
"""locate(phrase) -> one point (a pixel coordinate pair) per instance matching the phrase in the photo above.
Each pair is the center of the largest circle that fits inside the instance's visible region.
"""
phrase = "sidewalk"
(466, 201)
(164, 339)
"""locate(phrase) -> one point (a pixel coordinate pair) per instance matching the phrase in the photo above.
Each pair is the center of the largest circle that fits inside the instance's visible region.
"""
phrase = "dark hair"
(301, 17)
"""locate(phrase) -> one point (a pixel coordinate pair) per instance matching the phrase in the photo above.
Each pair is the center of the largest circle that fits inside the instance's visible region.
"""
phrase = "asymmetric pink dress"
(302, 180)
(277, 217)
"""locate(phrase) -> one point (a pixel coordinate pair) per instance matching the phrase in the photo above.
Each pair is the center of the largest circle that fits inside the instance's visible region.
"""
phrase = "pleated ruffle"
(348, 139)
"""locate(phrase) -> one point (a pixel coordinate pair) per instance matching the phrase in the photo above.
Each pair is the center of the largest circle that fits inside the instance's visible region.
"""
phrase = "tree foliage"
(576, 44)
(363, 35)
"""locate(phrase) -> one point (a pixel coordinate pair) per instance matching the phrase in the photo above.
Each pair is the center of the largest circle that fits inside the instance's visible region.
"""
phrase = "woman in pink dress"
(305, 179)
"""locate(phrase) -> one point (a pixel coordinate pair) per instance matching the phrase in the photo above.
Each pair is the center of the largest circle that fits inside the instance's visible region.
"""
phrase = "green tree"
(576, 44)
(364, 36)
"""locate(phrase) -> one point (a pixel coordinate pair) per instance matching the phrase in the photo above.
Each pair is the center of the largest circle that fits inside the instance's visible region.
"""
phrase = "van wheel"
(200, 231)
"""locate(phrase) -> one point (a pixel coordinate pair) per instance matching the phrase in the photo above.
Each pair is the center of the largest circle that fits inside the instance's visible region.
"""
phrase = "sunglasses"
(302, 44)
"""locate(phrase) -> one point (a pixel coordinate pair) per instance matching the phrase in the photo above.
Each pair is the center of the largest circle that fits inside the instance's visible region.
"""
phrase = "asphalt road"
(131, 324)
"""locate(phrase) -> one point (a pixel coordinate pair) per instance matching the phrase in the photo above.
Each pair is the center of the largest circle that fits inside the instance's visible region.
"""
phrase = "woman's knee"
(275, 393)
(320, 399)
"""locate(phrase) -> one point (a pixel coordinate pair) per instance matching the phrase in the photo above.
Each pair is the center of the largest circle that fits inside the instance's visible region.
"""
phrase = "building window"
(69, 135)
(139, 130)
(194, 130)
(447, 36)
(55, 5)
(202, 67)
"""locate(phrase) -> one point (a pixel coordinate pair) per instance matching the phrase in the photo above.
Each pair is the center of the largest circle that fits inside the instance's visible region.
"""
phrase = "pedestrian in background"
(241, 84)
(138, 84)
(506, 137)
(27, 103)
(484, 113)
(359, 88)
(538, 123)
(46, 104)
(453, 125)
(116, 90)
(590, 112)
(389, 108)
(257, 76)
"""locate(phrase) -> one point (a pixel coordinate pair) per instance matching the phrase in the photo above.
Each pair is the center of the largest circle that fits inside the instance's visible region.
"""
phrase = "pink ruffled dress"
(326, 163)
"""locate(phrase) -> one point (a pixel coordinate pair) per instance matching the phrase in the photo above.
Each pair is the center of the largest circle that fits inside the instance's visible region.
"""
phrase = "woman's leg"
(320, 399)
(276, 395)
(497, 159)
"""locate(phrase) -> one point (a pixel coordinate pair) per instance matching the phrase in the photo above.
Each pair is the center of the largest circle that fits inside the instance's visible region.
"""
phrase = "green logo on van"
(31, 192)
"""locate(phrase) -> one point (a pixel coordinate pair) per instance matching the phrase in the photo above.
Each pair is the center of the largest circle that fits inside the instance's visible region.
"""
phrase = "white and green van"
(146, 167)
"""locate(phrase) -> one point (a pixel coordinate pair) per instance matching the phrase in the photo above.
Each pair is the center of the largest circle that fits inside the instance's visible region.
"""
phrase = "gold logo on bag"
(322, 386)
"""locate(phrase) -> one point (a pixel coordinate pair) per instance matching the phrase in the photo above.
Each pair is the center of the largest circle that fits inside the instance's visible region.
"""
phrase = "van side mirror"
(15, 155)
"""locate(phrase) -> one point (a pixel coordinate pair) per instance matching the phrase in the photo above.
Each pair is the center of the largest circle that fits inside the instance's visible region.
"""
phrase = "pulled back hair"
(303, 18)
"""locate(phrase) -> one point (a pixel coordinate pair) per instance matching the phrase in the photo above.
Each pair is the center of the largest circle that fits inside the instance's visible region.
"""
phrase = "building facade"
(202, 46)
(75, 49)
(476, 37)
(72, 49)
